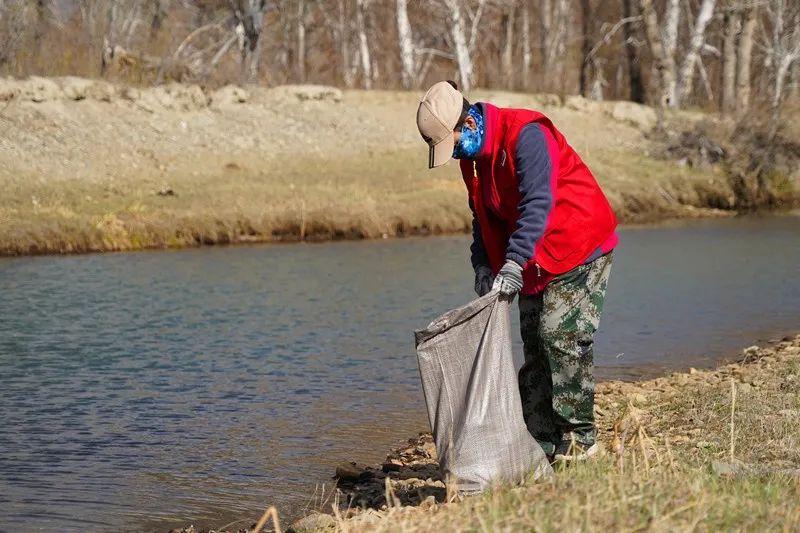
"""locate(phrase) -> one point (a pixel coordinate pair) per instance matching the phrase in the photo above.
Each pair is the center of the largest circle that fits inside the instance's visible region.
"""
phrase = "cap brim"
(441, 152)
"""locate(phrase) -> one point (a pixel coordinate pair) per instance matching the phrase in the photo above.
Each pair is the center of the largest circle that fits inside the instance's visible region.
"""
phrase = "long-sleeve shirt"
(534, 169)
(532, 161)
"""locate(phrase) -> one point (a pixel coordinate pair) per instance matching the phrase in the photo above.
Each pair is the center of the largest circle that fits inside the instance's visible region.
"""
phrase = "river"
(153, 389)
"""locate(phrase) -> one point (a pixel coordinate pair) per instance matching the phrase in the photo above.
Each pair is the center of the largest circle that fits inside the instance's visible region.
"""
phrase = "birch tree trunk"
(526, 44)
(692, 55)
(664, 63)
(553, 33)
(706, 81)
(406, 42)
(109, 39)
(599, 82)
(728, 94)
(672, 17)
(560, 45)
(780, 77)
(545, 23)
(301, 41)
(743, 61)
(785, 49)
(364, 52)
(457, 31)
(285, 53)
(254, 66)
(344, 46)
(508, 47)
(250, 16)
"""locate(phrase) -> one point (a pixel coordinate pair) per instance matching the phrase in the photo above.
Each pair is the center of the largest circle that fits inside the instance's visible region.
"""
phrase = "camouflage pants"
(556, 382)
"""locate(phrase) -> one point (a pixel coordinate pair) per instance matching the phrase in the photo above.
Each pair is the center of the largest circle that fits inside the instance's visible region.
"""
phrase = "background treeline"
(717, 54)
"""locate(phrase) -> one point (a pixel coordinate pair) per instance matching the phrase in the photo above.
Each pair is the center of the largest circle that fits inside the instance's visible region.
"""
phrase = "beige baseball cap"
(437, 116)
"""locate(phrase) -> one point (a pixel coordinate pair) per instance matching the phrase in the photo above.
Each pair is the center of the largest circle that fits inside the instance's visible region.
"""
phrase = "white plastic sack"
(472, 395)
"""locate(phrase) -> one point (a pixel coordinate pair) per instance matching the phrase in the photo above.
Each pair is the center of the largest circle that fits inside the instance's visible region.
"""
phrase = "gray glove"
(483, 279)
(509, 279)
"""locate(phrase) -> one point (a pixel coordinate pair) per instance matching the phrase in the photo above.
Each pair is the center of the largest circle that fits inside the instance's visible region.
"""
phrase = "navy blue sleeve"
(536, 198)
(477, 250)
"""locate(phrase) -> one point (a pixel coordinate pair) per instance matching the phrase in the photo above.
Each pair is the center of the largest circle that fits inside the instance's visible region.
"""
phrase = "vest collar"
(491, 125)
(489, 113)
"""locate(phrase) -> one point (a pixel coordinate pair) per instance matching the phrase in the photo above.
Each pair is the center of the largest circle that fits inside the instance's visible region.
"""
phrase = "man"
(543, 228)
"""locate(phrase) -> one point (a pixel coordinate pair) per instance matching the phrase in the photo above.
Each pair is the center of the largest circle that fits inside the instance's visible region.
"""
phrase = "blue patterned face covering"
(471, 140)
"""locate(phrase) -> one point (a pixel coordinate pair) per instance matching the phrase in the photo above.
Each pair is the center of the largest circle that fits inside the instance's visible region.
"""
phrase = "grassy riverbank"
(703, 450)
(87, 166)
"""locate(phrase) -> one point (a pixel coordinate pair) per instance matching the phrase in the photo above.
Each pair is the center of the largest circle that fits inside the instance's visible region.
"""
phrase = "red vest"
(580, 220)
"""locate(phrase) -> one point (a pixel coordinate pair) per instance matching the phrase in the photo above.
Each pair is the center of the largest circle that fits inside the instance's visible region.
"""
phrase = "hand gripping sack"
(472, 395)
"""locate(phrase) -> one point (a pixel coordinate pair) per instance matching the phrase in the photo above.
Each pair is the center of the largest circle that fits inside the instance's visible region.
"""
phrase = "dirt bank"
(89, 166)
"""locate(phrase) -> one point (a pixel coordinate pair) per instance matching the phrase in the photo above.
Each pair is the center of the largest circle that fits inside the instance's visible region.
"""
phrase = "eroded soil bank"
(89, 166)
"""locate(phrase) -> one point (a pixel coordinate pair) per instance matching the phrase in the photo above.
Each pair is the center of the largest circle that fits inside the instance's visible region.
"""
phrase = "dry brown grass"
(314, 199)
(675, 460)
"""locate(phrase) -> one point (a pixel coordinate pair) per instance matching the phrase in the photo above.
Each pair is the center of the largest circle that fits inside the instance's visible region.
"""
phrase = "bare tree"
(599, 83)
(632, 56)
(406, 41)
(675, 85)
(507, 22)
(300, 56)
(13, 25)
(662, 47)
(500, 43)
(732, 24)
(250, 18)
(586, 46)
(364, 52)
(342, 32)
(123, 18)
(554, 32)
(743, 59)
(672, 18)
(527, 57)
(590, 62)
(416, 55)
(692, 56)
(785, 51)
(458, 31)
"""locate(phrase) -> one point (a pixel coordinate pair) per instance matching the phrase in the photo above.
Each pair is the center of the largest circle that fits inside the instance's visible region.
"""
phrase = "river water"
(154, 389)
